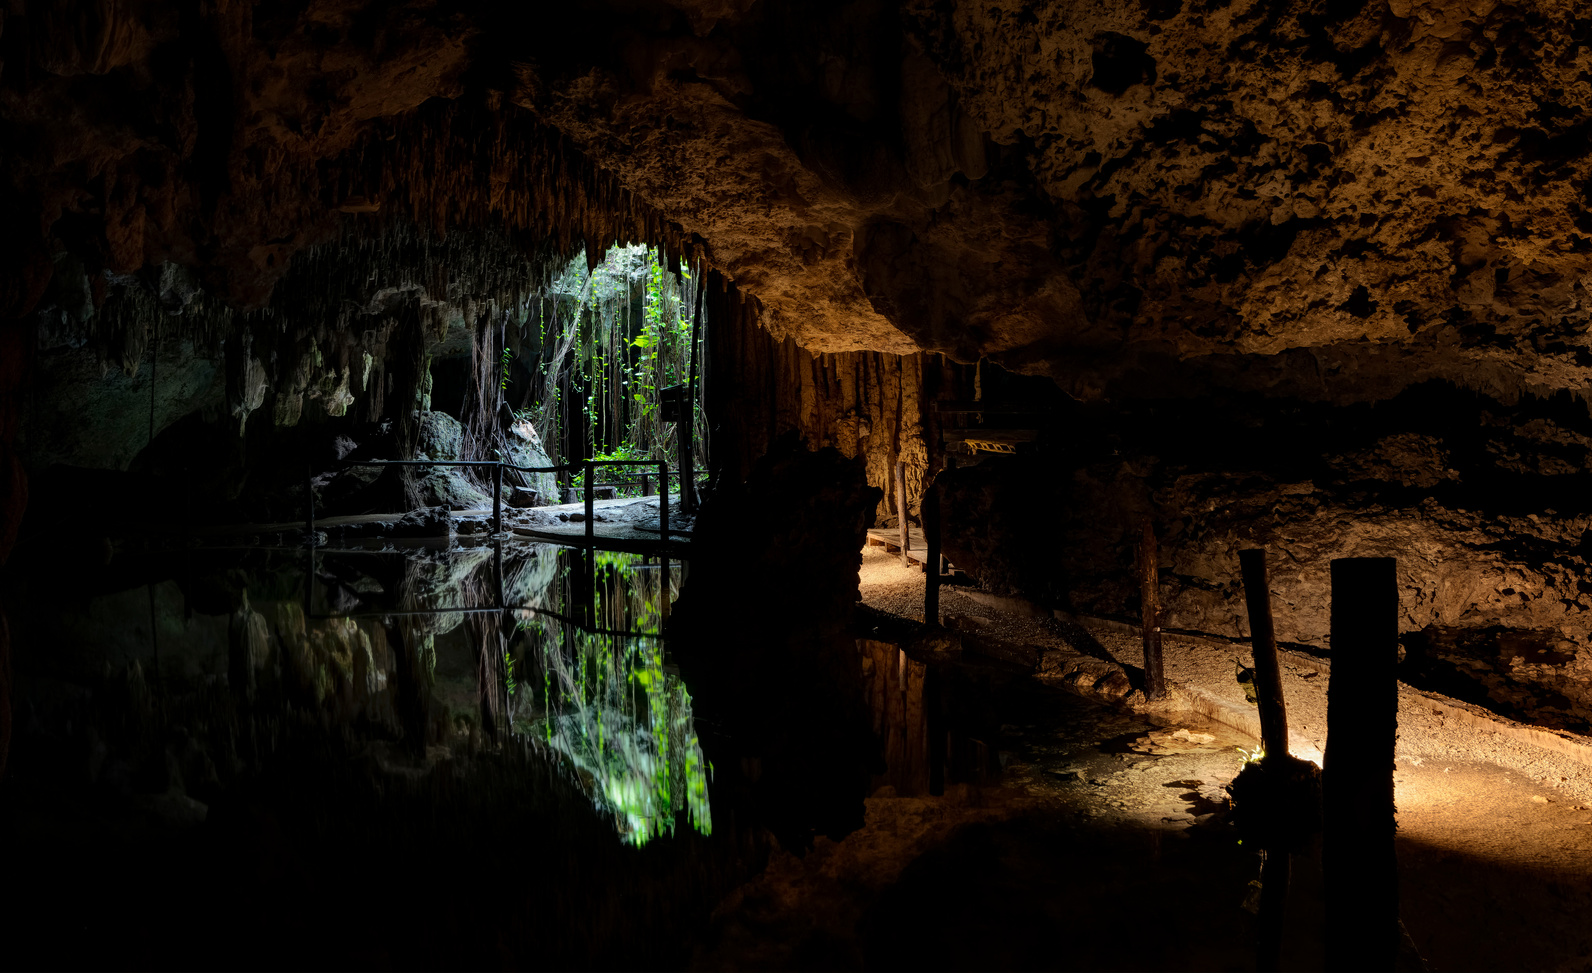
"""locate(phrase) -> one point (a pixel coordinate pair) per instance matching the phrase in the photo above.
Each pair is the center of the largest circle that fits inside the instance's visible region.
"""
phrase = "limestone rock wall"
(1483, 504)
(871, 405)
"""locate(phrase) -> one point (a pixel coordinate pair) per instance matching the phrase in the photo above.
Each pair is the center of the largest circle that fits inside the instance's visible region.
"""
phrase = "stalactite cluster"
(865, 404)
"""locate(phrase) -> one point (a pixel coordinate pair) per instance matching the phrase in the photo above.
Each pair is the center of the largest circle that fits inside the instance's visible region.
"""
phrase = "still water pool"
(433, 754)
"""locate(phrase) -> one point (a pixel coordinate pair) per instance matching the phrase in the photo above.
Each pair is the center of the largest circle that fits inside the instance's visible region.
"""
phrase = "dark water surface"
(473, 756)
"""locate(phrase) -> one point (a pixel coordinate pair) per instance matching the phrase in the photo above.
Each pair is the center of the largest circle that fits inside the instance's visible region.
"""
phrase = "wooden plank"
(890, 539)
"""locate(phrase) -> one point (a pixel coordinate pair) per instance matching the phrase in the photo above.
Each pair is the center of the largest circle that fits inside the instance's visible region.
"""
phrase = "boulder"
(441, 436)
(525, 497)
(524, 448)
(425, 522)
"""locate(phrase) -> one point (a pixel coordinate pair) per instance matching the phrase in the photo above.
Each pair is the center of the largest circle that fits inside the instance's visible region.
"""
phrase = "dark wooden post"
(663, 502)
(591, 507)
(901, 510)
(687, 461)
(688, 497)
(646, 485)
(497, 499)
(1150, 596)
(497, 551)
(931, 564)
(1268, 676)
(1275, 867)
(936, 726)
(588, 595)
(1359, 864)
(309, 508)
(664, 591)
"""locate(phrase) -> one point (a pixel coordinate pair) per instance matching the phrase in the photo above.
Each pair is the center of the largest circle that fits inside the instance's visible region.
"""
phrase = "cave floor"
(1494, 843)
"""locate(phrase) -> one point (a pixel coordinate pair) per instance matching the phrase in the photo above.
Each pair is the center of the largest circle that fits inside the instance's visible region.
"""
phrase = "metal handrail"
(309, 601)
(587, 467)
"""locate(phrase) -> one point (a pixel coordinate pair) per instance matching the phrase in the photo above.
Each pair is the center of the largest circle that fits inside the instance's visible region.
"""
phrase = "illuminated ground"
(1495, 838)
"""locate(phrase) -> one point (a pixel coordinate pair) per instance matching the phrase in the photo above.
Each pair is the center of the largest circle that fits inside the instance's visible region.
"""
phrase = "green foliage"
(612, 709)
(618, 335)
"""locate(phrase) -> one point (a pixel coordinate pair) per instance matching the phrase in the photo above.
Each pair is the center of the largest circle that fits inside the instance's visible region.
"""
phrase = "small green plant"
(1251, 756)
(508, 358)
(508, 673)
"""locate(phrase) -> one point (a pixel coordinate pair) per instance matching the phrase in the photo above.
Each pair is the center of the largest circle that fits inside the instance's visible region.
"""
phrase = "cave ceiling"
(1327, 200)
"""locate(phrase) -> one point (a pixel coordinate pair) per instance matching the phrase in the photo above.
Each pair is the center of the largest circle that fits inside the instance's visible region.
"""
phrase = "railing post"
(931, 559)
(663, 504)
(591, 527)
(1263, 647)
(497, 551)
(1275, 866)
(1360, 863)
(497, 498)
(901, 511)
(1150, 595)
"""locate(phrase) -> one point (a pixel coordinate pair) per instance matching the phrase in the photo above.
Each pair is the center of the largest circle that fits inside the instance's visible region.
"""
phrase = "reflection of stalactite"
(486, 631)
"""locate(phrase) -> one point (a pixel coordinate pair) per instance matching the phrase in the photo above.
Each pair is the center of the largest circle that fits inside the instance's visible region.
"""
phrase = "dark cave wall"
(1485, 504)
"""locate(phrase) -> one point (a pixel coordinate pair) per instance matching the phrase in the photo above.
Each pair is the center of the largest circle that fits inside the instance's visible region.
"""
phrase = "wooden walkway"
(890, 539)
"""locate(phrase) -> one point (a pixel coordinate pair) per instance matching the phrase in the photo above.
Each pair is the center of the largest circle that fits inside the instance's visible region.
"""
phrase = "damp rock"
(427, 522)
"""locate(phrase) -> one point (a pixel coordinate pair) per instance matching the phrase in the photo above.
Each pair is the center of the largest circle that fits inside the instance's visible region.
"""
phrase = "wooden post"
(688, 497)
(497, 552)
(687, 463)
(936, 728)
(591, 507)
(497, 499)
(1263, 638)
(1275, 866)
(663, 502)
(664, 591)
(646, 485)
(901, 510)
(931, 563)
(1150, 596)
(1359, 864)
(309, 508)
(588, 594)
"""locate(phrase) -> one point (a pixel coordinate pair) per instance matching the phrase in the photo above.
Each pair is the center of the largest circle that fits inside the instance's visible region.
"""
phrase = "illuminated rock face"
(1075, 189)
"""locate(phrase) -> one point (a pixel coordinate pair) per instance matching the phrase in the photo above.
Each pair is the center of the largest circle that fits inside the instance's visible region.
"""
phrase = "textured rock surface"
(1075, 189)
(1482, 503)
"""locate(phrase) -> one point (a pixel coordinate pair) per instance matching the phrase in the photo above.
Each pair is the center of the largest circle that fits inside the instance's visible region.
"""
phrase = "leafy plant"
(610, 338)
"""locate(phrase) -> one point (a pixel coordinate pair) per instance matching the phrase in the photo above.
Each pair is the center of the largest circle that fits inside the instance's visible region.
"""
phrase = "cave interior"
(858, 414)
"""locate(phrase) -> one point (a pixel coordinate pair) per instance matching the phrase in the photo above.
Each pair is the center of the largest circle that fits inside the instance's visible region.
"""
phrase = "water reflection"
(571, 660)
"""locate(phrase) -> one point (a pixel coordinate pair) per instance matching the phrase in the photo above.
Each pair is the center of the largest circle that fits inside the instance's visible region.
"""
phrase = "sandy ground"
(1495, 833)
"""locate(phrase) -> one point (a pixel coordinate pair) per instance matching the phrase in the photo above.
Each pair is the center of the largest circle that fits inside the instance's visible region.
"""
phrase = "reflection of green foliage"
(614, 712)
